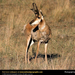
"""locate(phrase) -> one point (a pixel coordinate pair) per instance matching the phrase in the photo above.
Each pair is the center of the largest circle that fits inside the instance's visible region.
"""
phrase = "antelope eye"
(38, 17)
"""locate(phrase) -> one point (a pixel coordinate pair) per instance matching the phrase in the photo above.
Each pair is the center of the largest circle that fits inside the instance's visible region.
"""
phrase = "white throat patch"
(36, 22)
(43, 27)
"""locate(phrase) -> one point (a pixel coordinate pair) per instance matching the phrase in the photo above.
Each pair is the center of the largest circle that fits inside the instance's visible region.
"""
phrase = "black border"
(34, 72)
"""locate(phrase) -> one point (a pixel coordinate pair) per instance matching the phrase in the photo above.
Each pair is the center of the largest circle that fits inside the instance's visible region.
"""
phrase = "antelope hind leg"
(29, 39)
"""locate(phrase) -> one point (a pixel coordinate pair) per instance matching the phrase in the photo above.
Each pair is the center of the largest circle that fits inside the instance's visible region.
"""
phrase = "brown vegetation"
(59, 15)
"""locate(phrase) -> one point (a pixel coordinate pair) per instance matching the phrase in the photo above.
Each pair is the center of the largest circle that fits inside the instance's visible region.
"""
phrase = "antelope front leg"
(37, 50)
(46, 52)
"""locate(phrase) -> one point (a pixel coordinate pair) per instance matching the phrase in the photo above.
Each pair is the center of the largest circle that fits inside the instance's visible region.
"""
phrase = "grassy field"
(59, 15)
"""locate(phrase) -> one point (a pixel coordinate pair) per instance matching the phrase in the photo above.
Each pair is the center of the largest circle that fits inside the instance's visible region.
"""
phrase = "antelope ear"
(41, 12)
(32, 9)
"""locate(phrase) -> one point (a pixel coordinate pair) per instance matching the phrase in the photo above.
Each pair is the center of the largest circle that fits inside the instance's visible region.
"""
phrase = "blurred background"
(58, 14)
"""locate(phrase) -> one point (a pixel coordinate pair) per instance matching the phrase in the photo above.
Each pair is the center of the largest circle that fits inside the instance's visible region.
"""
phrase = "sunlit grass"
(61, 48)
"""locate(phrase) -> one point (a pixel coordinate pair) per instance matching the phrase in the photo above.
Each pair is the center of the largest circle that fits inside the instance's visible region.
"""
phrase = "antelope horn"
(35, 9)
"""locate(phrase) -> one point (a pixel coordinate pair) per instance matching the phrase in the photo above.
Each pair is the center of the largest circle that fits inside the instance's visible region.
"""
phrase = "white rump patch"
(24, 28)
(36, 22)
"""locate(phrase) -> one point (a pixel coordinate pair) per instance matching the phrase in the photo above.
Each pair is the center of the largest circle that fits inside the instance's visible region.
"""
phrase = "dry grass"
(59, 15)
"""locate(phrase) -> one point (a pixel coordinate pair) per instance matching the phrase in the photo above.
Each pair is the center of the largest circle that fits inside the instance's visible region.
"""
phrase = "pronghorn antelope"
(37, 31)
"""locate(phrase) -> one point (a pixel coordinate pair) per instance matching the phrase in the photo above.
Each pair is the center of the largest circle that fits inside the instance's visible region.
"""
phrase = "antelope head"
(38, 15)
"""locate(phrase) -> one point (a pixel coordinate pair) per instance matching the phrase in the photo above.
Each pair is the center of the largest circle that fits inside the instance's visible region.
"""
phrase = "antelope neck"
(35, 22)
(43, 25)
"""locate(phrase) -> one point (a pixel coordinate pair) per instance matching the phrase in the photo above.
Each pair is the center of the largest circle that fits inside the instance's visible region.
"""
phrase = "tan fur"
(38, 32)
(28, 29)
(42, 34)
